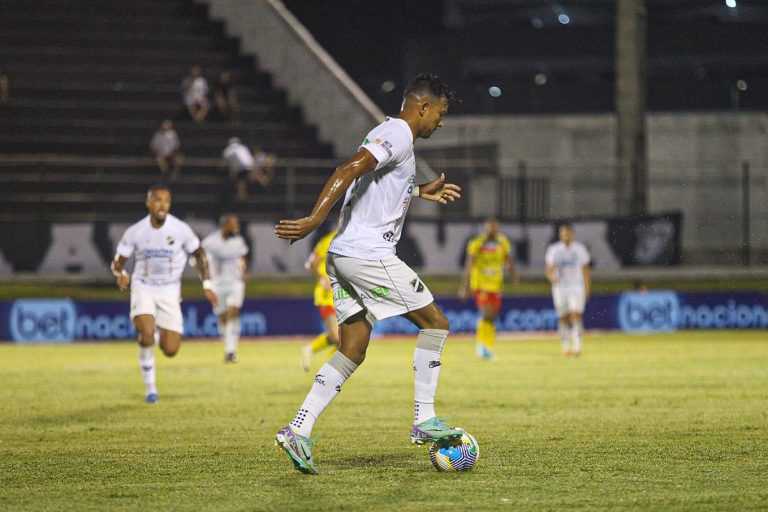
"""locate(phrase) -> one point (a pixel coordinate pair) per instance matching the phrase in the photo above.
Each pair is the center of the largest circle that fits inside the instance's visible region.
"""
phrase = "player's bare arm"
(464, 286)
(202, 266)
(118, 270)
(439, 191)
(512, 270)
(550, 273)
(362, 162)
(587, 273)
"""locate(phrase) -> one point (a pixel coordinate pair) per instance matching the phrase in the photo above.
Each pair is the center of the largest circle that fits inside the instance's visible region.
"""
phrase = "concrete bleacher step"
(108, 39)
(91, 81)
(131, 92)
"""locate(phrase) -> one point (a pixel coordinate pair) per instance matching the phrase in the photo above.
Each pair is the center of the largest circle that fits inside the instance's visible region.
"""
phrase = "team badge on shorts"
(417, 285)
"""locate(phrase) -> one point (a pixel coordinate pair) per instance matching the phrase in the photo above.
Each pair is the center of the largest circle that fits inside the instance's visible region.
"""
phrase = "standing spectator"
(5, 88)
(166, 147)
(264, 166)
(226, 98)
(194, 88)
(241, 166)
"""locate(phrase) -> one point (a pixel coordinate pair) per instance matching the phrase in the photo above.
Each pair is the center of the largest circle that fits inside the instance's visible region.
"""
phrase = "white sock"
(147, 365)
(327, 385)
(565, 339)
(576, 336)
(224, 335)
(426, 372)
(233, 325)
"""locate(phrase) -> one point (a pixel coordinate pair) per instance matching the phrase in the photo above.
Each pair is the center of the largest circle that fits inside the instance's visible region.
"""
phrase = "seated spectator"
(241, 166)
(166, 147)
(226, 98)
(5, 88)
(195, 92)
(264, 165)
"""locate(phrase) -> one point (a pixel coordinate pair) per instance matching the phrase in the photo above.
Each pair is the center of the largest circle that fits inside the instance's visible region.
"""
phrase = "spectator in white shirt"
(243, 168)
(166, 147)
(195, 91)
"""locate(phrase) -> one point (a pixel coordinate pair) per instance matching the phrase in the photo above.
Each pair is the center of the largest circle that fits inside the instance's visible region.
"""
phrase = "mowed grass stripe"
(662, 422)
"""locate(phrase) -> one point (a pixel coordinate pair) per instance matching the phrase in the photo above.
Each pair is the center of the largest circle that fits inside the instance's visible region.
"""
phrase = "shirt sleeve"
(549, 257)
(388, 147)
(472, 247)
(243, 248)
(191, 242)
(507, 245)
(126, 246)
(585, 258)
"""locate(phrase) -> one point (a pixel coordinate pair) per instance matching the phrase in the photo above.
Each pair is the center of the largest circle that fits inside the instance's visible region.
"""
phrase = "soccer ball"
(455, 455)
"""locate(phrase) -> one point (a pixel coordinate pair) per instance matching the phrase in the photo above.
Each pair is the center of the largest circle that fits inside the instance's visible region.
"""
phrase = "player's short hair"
(224, 218)
(158, 186)
(429, 83)
(566, 225)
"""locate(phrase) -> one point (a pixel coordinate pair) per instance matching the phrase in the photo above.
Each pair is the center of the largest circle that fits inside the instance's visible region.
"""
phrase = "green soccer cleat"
(434, 430)
(298, 449)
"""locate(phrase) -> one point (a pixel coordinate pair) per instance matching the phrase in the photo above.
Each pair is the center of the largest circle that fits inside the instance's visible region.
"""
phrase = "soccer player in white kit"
(161, 244)
(568, 271)
(368, 281)
(228, 261)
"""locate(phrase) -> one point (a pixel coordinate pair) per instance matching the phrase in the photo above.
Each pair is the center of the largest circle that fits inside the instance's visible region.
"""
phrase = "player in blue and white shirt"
(161, 244)
(568, 271)
(368, 281)
(227, 256)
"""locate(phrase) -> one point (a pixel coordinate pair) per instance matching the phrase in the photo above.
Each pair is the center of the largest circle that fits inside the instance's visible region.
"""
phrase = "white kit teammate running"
(161, 244)
(568, 271)
(227, 251)
(368, 281)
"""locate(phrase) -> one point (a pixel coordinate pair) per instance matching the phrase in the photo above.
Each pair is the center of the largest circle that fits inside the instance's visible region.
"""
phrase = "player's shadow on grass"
(98, 415)
(379, 461)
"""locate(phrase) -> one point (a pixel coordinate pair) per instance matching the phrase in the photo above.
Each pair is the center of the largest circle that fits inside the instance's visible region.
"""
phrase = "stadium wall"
(695, 165)
(64, 320)
(87, 248)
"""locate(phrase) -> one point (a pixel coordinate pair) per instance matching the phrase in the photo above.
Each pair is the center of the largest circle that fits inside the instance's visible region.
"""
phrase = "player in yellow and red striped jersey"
(488, 256)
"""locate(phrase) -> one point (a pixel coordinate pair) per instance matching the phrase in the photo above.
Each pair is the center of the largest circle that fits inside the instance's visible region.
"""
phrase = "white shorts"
(568, 300)
(166, 308)
(230, 295)
(383, 287)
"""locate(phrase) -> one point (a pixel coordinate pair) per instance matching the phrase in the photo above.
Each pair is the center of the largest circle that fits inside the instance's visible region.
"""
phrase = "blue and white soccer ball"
(456, 455)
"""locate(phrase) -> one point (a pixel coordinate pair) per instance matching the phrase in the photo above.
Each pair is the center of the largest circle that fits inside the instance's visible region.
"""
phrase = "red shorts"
(326, 311)
(487, 298)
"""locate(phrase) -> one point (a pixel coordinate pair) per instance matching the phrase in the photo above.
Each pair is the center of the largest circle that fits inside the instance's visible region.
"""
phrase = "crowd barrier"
(65, 320)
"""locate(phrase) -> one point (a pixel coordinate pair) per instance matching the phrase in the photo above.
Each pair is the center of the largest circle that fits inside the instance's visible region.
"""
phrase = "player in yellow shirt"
(488, 256)
(315, 264)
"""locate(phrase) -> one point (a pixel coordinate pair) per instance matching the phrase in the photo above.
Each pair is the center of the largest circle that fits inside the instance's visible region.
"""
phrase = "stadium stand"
(91, 81)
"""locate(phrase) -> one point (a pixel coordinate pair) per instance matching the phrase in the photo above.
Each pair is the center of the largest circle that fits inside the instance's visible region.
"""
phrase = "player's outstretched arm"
(440, 191)
(118, 270)
(201, 261)
(361, 163)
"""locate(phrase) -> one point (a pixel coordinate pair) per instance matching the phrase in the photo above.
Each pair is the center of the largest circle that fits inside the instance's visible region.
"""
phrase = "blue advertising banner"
(65, 320)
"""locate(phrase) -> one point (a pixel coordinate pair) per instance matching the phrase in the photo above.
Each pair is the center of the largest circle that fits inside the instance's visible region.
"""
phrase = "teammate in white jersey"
(568, 271)
(369, 282)
(227, 254)
(161, 244)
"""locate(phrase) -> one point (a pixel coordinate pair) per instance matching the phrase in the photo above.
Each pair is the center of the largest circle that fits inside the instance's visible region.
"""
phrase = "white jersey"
(376, 203)
(225, 258)
(239, 156)
(569, 262)
(161, 253)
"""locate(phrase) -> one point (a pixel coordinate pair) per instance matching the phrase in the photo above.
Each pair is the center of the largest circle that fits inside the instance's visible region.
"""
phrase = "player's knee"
(170, 351)
(146, 339)
(439, 321)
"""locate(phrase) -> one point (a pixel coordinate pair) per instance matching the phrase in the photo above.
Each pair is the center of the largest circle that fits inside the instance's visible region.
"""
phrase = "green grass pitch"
(662, 422)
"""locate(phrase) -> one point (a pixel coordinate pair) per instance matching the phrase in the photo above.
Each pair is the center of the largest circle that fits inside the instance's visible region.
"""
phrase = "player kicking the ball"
(161, 244)
(368, 281)
(568, 271)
